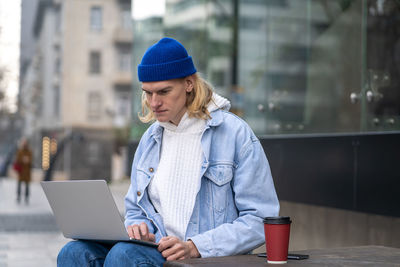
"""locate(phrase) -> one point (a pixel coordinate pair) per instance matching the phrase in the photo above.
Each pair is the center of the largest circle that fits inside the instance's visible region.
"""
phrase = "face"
(24, 143)
(167, 99)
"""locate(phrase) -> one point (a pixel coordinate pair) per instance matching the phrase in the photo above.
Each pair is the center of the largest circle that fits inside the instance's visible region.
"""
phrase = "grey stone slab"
(28, 233)
(31, 249)
(8, 204)
(323, 227)
(27, 222)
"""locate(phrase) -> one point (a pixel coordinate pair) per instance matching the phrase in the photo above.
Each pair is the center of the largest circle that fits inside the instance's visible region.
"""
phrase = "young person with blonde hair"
(200, 183)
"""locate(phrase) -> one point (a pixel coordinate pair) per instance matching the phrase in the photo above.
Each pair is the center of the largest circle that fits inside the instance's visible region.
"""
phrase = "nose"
(154, 101)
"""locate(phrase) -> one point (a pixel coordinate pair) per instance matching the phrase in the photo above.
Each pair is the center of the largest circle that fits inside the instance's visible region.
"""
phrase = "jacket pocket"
(218, 178)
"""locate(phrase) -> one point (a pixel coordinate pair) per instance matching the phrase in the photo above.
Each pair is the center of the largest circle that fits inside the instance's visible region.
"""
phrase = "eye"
(163, 92)
(148, 93)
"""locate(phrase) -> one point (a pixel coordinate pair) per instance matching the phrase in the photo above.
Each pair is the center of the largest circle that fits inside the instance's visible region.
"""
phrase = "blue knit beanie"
(165, 60)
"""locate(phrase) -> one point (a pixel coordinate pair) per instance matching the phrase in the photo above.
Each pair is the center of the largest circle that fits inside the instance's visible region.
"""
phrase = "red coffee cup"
(277, 232)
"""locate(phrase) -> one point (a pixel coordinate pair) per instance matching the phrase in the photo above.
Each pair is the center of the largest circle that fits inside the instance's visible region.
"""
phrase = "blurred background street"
(318, 81)
(28, 233)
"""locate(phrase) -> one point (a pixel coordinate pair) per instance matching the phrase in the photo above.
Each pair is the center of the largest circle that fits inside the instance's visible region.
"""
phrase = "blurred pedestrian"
(23, 165)
(200, 182)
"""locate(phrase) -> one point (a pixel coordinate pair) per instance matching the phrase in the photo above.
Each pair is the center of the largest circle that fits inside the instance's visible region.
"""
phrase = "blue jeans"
(94, 254)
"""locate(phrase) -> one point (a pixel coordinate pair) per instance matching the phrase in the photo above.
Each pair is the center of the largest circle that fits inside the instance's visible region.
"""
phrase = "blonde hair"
(196, 101)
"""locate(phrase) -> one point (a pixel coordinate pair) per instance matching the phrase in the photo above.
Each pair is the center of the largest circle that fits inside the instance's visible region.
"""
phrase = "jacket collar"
(157, 131)
(216, 118)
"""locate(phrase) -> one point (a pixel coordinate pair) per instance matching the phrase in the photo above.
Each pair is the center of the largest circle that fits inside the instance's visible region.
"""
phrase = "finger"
(132, 231)
(167, 253)
(136, 231)
(162, 243)
(166, 242)
(129, 229)
(172, 249)
(177, 252)
(152, 237)
(144, 231)
(165, 238)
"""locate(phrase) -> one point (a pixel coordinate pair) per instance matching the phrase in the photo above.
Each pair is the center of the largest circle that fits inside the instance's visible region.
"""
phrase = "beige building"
(78, 91)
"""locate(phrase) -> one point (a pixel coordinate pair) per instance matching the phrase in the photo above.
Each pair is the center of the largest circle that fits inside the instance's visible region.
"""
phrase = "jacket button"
(151, 169)
(138, 193)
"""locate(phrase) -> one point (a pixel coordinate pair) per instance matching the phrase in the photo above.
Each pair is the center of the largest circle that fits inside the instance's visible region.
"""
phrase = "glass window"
(319, 66)
(96, 18)
(94, 106)
(93, 150)
(126, 19)
(56, 101)
(122, 105)
(95, 62)
(124, 61)
(124, 58)
(380, 102)
(57, 66)
(57, 14)
(122, 109)
(291, 66)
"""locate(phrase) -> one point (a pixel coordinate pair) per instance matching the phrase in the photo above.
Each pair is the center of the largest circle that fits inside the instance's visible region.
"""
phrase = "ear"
(189, 83)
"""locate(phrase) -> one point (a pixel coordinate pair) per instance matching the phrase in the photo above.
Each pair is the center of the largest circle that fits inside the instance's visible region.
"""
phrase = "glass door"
(301, 66)
(381, 70)
(315, 66)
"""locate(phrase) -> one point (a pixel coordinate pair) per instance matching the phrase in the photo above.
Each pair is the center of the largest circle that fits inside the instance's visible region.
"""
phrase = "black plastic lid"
(277, 220)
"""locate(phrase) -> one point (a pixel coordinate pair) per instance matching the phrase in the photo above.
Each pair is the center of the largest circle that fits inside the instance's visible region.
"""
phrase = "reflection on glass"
(96, 18)
(303, 66)
(382, 109)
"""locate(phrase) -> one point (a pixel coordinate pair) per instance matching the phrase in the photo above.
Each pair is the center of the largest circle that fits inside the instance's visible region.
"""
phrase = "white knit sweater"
(174, 187)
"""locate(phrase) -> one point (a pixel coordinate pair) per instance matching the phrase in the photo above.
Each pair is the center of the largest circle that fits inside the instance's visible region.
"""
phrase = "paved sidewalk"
(28, 233)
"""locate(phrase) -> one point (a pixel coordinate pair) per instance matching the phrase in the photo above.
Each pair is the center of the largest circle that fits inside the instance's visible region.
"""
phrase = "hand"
(172, 248)
(140, 232)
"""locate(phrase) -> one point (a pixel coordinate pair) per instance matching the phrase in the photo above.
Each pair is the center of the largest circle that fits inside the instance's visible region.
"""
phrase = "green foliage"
(121, 138)
(138, 129)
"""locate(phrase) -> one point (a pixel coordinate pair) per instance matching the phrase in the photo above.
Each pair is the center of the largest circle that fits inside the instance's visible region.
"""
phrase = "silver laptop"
(85, 209)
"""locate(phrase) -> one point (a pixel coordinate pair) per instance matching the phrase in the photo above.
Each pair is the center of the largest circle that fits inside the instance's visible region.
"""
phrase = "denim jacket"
(236, 189)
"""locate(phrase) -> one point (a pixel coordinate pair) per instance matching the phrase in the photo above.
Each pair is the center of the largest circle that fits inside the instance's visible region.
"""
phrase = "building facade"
(77, 90)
